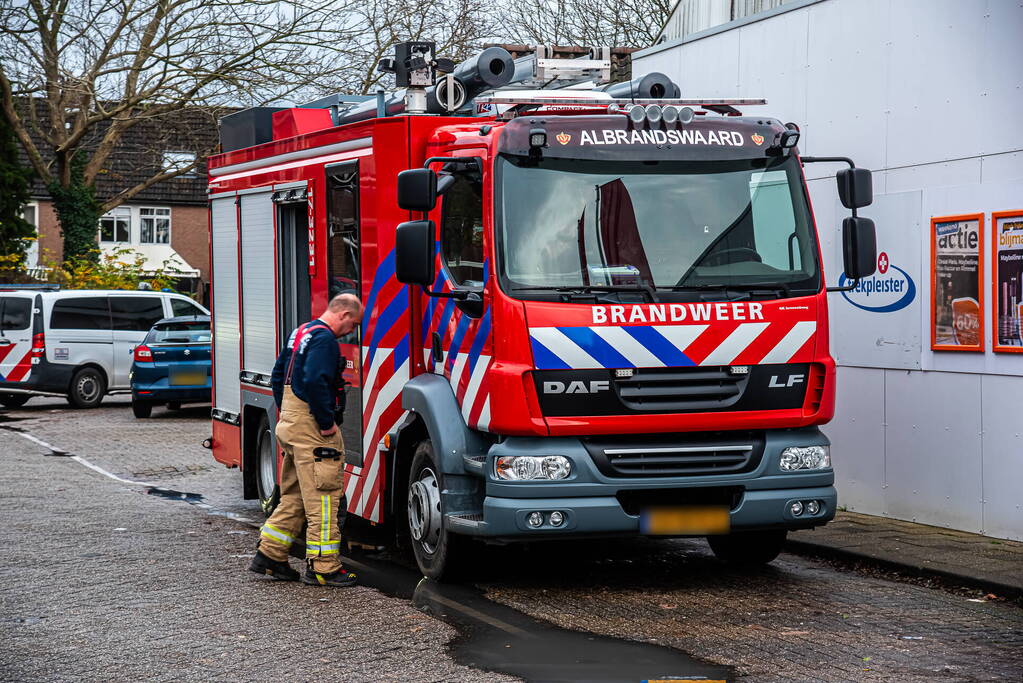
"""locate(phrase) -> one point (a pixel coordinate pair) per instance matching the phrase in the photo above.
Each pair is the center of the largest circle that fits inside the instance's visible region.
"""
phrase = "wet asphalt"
(110, 580)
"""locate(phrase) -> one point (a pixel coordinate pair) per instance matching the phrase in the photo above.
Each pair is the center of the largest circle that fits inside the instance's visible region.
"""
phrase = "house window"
(176, 161)
(115, 226)
(155, 226)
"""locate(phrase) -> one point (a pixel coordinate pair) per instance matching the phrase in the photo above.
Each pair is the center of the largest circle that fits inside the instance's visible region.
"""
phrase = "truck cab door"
(458, 339)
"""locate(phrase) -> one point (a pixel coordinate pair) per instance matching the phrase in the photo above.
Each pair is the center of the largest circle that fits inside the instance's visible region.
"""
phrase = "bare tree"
(618, 23)
(76, 75)
(458, 27)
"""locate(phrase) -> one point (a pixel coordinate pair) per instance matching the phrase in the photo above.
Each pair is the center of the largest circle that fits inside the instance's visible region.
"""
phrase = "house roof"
(140, 155)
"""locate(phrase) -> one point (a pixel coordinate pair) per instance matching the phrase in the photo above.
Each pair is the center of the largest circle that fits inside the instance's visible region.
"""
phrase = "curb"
(1008, 591)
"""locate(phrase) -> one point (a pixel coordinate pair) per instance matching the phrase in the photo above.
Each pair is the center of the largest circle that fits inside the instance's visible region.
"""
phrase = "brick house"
(166, 222)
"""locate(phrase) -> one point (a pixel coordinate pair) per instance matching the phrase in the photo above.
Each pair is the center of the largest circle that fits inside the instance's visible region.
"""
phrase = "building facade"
(928, 94)
(166, 223)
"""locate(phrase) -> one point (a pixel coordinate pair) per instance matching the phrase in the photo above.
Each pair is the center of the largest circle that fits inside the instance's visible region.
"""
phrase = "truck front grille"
(666, 390)
(677, 455)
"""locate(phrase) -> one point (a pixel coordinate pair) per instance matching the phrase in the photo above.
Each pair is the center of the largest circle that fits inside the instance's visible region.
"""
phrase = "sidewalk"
(979, 561)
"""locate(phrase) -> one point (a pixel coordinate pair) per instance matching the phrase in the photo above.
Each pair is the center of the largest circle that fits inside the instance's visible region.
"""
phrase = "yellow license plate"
(696, 521)
(187, 378)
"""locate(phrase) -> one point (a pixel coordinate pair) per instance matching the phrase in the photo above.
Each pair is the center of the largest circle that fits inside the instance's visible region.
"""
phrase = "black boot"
(338, 579)
(278, 571)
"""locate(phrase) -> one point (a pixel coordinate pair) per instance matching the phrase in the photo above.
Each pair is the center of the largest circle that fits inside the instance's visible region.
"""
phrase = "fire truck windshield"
(679, 230)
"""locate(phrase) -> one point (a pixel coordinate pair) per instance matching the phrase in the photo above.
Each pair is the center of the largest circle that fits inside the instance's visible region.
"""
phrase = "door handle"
(4, 341)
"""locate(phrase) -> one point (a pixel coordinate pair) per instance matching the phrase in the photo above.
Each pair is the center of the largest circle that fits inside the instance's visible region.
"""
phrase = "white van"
(77, 343)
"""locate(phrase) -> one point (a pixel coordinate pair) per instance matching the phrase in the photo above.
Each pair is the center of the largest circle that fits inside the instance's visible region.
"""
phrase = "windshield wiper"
(592, 289)
(741, 291)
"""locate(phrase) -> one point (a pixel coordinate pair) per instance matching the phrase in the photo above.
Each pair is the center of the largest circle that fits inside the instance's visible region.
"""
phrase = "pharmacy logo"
(887, 290)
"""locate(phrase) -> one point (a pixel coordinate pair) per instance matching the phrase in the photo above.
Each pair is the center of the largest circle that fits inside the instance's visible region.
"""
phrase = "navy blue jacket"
(314, 376)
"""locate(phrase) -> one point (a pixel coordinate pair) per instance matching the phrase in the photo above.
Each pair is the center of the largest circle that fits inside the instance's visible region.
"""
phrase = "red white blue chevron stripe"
(653, 346)
(385, 370)
(466, 344)
(16, 362)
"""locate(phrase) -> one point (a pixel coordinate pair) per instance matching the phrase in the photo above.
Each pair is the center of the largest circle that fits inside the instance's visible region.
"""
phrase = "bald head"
(343, 313)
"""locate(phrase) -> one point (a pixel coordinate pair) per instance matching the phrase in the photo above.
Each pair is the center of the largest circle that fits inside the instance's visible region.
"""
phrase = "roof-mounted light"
(669, 114)
(653, 113)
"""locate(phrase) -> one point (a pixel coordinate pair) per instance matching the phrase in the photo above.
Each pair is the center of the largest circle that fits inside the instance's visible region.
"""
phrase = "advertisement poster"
(957, 298)
(1008, 284)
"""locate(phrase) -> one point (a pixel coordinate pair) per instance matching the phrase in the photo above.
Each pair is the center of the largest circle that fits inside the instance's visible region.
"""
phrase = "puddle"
(198, 501)
(495, 638)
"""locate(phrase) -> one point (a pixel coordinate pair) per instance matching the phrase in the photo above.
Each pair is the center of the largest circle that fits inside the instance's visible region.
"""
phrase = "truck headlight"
(795, 458)
(519, 467)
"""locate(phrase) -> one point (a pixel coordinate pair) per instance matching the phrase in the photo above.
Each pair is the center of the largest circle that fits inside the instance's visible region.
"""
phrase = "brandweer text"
(677, 313)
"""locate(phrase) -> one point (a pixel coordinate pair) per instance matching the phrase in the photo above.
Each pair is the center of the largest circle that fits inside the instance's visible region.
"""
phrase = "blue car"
(172, 365)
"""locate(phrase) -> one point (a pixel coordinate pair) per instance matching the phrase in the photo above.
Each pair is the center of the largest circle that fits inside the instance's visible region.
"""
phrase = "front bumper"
(595, 504)
(595, 516)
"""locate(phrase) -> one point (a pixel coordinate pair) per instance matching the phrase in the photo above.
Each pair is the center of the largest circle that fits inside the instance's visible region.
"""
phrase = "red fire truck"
(590, 309)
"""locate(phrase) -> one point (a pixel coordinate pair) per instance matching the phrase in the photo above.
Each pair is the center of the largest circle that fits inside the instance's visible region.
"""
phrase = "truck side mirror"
(855, 187)
(414, 252)
(417, 189)
(859, 247)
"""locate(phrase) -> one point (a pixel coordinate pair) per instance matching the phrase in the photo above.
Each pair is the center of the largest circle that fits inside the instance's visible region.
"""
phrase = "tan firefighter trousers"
(311, 490)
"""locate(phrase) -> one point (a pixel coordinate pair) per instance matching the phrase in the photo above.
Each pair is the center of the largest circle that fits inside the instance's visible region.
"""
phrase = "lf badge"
(563, 138)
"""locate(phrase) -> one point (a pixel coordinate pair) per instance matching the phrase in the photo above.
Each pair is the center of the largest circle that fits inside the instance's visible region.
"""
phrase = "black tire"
(439, 553)
(141, 409)
(14, 400)
(267, 487)
(87, 388)
(748, 548)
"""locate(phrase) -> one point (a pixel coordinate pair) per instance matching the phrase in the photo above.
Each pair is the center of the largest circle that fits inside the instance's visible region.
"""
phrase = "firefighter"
(306, 380)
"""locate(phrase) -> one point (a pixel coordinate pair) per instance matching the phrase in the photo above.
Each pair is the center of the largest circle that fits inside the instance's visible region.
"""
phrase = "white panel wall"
(1003, 448)
(258, 293)
(226, 342)
(858, 446)
(927, 94)
(934, 463)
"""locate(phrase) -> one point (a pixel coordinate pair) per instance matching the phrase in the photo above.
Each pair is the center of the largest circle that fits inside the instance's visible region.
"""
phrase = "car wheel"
(266, 473)
(748, 548)
(439, 553)
(87, 388)
(14, 400)
(141, 409)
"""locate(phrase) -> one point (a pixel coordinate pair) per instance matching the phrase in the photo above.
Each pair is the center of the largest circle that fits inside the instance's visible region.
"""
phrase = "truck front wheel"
(438, 552)
(748, 548)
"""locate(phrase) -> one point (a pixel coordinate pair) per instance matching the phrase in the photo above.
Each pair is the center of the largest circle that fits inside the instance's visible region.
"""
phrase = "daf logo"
(789, 381)
(576, 387)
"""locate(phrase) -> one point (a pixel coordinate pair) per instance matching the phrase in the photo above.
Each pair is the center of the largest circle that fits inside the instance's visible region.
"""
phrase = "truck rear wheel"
(266, 474)
(438, 552)
(748, 548)
(14, 400)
